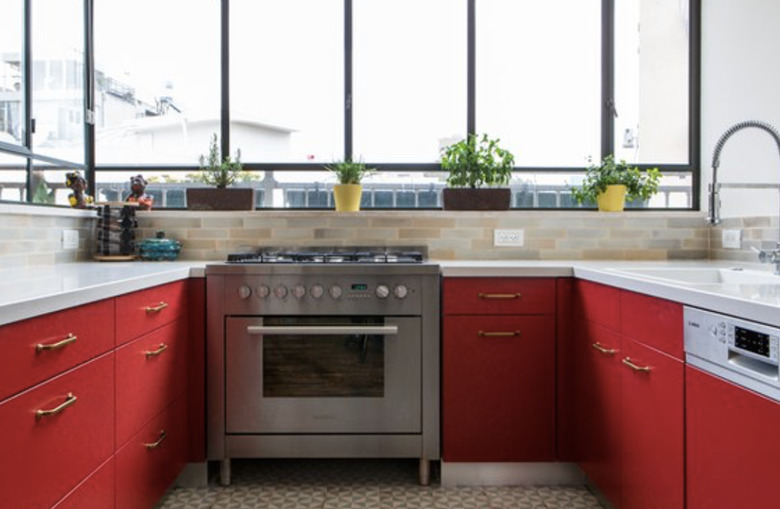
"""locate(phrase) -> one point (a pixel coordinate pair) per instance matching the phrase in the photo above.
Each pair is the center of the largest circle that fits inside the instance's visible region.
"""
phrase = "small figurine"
(78, 199)
(138, 193)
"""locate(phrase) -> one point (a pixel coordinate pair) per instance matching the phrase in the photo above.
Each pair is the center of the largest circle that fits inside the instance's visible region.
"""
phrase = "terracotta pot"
(347, 197)
(465, 198)
(212, 198)
(613, 199)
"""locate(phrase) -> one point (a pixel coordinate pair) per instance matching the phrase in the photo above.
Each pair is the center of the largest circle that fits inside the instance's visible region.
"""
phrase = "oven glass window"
(323, 366)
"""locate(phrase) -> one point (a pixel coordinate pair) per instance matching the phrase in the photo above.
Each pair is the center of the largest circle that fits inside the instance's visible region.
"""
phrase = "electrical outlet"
(507, 237)
(70, 239)
(732, 239)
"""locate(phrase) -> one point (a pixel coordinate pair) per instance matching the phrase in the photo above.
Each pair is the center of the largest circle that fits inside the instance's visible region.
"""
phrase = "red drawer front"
(598, 304)
(141, 312)
(498, 392)
(44, 458)
(96, 492)
(24, 364)
(144, 471)
(150, 373)
(655, 322)
(493, 296)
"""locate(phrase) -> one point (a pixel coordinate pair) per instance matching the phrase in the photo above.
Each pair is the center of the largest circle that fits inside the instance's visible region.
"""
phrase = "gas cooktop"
(351, 255)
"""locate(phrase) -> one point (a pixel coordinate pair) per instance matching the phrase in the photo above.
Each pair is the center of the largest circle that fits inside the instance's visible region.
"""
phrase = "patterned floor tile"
(515, 497)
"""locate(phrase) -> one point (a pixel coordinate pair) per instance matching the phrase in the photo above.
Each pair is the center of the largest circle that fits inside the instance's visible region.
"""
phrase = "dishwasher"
(732, 411)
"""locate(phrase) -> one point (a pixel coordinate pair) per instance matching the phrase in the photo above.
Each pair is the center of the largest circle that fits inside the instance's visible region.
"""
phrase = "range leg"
(425, 472)
(224, 472)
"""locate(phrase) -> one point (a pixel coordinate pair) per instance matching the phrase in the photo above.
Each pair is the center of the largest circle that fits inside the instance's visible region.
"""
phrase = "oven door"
(323, 375)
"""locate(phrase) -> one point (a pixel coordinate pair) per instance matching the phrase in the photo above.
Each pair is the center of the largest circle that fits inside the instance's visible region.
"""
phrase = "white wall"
(741, 81)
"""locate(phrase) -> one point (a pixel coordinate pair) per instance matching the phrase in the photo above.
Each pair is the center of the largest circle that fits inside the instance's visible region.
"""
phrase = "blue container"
(159, 248)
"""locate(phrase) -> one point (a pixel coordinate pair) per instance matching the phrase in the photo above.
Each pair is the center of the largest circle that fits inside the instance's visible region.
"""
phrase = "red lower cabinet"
(56, 434)
(152, 459)
(96, 492)
(732, 448)
(499, 388)
(652, 441)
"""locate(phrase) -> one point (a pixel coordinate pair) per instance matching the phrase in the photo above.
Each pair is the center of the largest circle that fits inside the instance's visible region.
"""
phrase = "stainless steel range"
(323, 354)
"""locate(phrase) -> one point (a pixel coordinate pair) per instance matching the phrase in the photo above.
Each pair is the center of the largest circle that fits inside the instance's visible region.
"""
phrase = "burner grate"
(335, 257)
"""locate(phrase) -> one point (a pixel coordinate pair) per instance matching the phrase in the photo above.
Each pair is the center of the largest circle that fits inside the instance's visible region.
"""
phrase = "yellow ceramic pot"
(613, 199)
(347, 197)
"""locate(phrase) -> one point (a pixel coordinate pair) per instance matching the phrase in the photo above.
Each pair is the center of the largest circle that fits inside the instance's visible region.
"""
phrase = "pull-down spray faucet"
(765, 256)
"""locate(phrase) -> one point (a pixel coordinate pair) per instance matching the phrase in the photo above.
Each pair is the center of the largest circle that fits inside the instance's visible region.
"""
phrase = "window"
(308, 82)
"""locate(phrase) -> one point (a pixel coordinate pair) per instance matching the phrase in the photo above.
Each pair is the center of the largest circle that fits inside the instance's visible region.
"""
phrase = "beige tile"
(674, 254)
(249, 233)
(335, 233)
(418, 233)
(602, 254)
(645, 254)
(589, 233)
(392, 222)
(383, 234)
(222, 222)
(206, 234)
(201, 244)
(430, 222)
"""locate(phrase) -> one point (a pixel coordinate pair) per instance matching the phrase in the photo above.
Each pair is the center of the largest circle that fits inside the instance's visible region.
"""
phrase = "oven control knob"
(299, 291)
(335, 291)
(316, 291)
(263, 291)
(382, 291)
(400, 291)
(280, 291)
(244, 291)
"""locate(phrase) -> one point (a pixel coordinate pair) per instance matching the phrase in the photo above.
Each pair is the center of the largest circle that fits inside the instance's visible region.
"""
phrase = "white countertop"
(31, 291)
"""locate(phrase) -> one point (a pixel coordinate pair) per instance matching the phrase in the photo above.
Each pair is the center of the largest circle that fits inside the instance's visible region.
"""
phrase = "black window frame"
(90, 168)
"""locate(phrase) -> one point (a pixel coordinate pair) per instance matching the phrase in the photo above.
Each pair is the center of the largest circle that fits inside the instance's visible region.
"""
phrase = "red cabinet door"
(493, 296)
(96, 492)
(45, 455)
(150, 373)
(732, 445)
(152, 459)
(566, 359)
(143, 311)
(597, 399)
(652, 441)
(652, 321)
(499, 388)
(599, 304)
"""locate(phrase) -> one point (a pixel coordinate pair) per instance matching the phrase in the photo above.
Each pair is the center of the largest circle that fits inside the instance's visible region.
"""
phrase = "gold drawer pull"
(499, 296)
(157, 443)
(65, 404)
(154, 353)
(156, 309)
(511, 334)
(627, 361)
(605, 351)
(40, 347)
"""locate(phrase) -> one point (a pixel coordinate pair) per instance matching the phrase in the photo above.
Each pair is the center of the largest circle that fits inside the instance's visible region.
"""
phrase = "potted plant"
(348, 192)
(611, 184)
(473, 163)
(220, 173)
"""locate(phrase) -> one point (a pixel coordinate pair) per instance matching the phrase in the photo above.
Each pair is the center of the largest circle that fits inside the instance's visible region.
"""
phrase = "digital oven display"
(751, 341)
(359, 287)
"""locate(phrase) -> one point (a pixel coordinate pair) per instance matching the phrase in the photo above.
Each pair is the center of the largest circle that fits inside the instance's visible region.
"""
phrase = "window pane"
(11, 55)
(409, 92)
(13, 177)
(651, 81)
(58, 102)
(157, 79)
(286, 80)
(538, 79)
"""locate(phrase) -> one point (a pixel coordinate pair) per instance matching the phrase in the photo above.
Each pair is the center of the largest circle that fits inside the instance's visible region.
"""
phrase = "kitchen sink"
(702, 276)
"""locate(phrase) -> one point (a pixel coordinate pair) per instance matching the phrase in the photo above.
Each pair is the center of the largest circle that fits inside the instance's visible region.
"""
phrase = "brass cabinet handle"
(156, 309)
(510, 334)
(605, 351)
(65, 404)
(627, 361)
(156, 444)
(70, 338)
(499, 296)
(154, 353)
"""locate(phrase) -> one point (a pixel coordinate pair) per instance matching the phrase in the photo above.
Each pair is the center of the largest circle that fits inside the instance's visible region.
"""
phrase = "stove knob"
(316, 291)
(280, 291)
(244, 291)
(401, 291)
(299, 291)
(263, 291)
(382, 291)
(335, 291)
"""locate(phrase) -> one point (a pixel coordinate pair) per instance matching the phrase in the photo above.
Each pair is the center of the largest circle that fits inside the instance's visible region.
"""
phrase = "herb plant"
(219, 172)
(349, 171)
(476, 161)
(639, 185)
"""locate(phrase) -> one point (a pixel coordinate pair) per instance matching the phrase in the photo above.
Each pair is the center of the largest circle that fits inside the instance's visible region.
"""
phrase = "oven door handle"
(322, 330)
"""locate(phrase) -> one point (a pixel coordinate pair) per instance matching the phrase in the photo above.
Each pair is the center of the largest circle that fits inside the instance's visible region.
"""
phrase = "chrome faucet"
(765, 256)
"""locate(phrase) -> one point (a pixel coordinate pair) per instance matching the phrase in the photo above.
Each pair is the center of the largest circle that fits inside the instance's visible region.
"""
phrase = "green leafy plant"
(349, 171)
(218, 171)
(639, 185)
(476, 161)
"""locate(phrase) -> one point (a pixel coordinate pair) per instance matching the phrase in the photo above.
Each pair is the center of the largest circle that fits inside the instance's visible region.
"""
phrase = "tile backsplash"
(756, 232)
